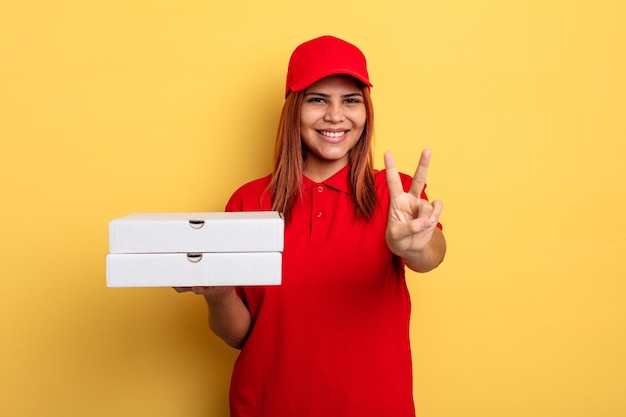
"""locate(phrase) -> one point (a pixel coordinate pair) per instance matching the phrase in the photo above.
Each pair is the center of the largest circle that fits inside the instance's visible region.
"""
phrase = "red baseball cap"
(321, 57)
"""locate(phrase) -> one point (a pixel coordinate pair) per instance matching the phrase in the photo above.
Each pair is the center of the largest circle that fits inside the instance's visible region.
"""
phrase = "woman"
(333, 339)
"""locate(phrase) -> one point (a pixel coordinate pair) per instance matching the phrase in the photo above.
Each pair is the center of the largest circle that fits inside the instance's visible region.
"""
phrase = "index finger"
(393, 177)
(419, 178)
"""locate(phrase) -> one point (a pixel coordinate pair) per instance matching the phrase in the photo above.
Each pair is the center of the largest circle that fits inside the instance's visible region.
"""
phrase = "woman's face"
(332, 119)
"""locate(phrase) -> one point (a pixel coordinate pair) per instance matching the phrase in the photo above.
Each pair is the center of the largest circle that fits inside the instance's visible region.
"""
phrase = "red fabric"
(333, 339)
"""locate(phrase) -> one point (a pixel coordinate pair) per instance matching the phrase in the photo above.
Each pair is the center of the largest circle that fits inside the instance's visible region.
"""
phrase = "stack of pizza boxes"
(195, 249)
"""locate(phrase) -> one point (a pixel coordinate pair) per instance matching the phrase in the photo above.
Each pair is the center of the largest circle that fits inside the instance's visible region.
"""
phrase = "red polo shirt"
(333, 339)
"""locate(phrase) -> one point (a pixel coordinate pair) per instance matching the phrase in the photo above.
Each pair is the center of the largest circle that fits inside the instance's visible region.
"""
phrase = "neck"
(321, 171)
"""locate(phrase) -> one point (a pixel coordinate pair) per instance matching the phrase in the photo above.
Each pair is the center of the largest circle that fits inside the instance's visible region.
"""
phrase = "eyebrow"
(328, 95)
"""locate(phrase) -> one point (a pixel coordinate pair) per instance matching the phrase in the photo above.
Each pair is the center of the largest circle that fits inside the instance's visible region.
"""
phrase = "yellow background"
(119, 106)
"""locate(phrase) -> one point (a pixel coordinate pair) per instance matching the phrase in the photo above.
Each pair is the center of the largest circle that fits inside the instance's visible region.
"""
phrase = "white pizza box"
(258, 231)
(193, 269)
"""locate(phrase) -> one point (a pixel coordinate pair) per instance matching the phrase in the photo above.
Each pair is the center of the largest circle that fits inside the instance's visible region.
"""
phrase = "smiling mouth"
(332, 134)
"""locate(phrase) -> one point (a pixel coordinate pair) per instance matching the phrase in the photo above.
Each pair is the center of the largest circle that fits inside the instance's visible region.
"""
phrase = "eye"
(353, 100)
(316, 100)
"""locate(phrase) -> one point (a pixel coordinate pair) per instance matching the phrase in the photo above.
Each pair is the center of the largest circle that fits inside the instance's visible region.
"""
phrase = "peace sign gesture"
(412, 231)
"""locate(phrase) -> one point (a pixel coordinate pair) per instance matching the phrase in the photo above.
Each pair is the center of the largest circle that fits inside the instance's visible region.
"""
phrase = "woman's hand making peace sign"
(412, 231)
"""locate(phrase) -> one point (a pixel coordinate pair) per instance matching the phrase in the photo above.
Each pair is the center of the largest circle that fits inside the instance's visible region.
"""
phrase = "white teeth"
(332, 134)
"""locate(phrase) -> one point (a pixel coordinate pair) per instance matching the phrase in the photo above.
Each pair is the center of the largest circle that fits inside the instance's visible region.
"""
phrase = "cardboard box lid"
(194, 269)
(259, 231)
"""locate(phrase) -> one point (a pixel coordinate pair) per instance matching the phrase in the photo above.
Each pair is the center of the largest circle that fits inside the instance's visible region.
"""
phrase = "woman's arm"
(229, 318)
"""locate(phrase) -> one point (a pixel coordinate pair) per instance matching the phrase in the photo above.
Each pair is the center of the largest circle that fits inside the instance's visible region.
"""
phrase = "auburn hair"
(289, 154)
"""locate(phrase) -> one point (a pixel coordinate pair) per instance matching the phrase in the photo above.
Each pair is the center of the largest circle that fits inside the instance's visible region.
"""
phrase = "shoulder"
(251, 196)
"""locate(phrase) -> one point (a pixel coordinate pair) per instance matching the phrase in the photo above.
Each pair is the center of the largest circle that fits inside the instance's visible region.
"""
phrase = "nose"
(334, 113)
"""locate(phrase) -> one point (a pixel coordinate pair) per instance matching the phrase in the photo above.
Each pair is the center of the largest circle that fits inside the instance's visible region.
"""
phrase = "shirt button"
(319, 214)
(320, 189)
